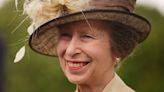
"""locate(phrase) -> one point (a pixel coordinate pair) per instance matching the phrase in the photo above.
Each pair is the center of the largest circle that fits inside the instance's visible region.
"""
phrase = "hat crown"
(126, 5)
(46, 10)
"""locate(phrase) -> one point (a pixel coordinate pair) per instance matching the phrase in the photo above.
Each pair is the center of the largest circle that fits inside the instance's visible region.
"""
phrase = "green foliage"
(143, 70)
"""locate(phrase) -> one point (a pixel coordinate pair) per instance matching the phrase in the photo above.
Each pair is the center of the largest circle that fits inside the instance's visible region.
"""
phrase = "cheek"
(61, 48)
(100, 52)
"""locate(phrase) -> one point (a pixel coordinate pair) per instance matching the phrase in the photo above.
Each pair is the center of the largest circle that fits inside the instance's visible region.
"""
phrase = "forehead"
(87, 26)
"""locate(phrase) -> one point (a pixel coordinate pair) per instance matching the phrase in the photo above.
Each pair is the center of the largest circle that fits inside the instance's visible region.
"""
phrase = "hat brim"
(43, 39)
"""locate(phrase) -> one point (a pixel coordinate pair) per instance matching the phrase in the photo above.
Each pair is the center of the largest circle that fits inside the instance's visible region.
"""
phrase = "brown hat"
(48, 14)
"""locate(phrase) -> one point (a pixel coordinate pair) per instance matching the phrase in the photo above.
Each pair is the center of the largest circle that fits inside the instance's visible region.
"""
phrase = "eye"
(64, 35)
(87, 36)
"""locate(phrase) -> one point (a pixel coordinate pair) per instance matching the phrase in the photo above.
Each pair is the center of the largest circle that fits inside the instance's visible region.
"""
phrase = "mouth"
(76, 65)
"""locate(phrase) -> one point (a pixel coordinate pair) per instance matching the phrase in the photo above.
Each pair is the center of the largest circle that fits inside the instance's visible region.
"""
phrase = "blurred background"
(143, 70)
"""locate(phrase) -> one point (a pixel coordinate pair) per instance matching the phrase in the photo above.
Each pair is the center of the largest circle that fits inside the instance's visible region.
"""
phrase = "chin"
(77, 79)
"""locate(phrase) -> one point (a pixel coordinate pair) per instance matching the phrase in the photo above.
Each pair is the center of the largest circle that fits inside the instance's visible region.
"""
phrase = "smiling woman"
(84, 54)
(89, 37)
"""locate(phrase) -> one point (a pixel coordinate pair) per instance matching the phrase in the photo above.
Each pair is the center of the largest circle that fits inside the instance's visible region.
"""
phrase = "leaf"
(20, 54)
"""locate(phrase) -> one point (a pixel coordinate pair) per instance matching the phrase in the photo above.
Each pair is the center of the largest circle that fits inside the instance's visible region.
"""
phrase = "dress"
(116, 85)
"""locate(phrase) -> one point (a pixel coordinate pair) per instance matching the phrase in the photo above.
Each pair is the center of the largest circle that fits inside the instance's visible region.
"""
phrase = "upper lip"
(76, 60)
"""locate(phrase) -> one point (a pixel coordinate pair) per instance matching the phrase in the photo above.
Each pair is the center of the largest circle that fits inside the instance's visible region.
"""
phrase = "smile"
(76, 66)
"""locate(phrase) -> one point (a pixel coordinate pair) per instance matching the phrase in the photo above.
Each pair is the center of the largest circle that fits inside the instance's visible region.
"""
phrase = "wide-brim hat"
(44, 38)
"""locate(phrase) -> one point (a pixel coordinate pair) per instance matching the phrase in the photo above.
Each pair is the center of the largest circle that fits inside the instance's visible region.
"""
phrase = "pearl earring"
(117, 59)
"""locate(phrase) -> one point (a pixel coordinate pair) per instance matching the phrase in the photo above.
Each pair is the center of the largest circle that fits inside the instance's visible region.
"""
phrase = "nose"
(73, 48)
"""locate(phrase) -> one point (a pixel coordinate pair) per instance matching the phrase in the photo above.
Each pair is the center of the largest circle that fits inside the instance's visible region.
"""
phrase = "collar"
(117, 85)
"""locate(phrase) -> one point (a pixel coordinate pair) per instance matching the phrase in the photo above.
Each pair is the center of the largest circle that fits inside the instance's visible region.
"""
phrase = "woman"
(89, 37)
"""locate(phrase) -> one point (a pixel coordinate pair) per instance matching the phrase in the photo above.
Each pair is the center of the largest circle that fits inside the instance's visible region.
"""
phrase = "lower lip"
(75, 68)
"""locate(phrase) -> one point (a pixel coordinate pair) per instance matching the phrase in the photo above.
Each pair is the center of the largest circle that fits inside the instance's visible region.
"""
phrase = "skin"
(85, 54)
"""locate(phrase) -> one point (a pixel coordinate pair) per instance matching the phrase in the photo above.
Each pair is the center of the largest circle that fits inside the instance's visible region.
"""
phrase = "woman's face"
(84, 51)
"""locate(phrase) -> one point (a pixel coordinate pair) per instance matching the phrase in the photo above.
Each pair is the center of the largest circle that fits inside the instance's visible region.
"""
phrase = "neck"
(97, 85)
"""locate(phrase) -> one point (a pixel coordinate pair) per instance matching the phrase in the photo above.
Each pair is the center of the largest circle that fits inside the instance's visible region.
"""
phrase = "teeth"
(71, 64)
